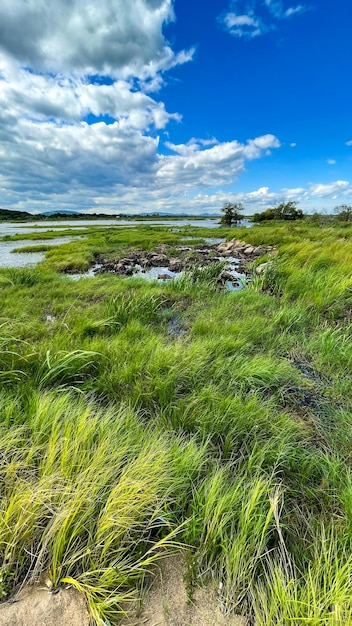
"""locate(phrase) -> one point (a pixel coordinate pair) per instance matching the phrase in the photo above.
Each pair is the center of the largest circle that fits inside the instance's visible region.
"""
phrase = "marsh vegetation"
(137, 416)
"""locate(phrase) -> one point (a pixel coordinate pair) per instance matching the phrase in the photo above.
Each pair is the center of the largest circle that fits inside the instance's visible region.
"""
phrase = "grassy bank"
(138, 415)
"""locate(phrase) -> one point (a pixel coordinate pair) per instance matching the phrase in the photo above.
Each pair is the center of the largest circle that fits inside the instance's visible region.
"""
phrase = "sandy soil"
(36, 606)
(168, 604)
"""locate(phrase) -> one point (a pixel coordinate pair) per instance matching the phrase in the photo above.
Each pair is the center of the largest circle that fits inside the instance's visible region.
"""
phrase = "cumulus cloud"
(71, 98)
(331, 162)
(213, 166)
(329, 189)
(79, 122)
(349, 143)
(115, 37)
(251, 18)
(314, 197)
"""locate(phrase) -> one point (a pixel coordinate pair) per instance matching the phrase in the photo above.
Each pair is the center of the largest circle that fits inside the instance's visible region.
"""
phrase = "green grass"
(121, 439)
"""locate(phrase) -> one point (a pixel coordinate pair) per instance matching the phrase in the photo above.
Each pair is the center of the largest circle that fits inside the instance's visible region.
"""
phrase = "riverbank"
(140, 416)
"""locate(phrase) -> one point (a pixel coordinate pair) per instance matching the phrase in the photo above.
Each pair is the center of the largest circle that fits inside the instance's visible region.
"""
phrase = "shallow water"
(8, 258)
(30, 259)
(12, 228)
(89, 274)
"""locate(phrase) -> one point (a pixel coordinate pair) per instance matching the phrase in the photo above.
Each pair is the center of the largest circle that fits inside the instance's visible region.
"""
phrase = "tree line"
(232, 213)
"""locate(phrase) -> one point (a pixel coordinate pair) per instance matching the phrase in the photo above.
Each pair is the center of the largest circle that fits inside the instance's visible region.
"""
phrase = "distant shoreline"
(18, 216)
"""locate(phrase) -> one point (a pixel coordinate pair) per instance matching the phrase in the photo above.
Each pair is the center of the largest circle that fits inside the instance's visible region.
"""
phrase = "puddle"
(175, 328)
(214, 240)
(163, 274)
(236, 285)
(89, 274)
(158, 266)
(155, 273)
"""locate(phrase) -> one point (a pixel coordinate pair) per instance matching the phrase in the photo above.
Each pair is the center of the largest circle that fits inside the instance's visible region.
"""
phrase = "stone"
(164, 277)
(225, 247)
(224, 276)
(260, 269)
(159, 259)
(176, 265)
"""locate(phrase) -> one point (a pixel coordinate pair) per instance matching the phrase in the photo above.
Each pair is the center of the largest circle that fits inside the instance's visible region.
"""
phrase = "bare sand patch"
(168, 602)
(37, 606)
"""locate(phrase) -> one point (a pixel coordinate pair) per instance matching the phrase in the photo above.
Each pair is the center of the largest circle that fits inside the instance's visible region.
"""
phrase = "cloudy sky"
(152, 105)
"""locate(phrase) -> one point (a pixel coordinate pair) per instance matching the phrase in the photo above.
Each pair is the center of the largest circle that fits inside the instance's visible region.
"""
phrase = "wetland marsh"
(140, 416)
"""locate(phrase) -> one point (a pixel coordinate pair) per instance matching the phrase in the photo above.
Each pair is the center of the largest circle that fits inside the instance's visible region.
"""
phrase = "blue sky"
(153, 105)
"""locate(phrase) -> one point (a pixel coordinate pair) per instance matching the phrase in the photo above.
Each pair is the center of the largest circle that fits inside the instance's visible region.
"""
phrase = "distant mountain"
(61, 212)
(9, 215)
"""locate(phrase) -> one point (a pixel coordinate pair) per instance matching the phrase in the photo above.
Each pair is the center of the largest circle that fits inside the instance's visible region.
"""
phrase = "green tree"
(282, 211)
(287, 211)
(344, 212)
(232, 213)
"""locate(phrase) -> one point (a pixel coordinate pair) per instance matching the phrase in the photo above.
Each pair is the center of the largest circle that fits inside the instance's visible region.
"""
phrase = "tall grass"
(89, 497)
(119, 438)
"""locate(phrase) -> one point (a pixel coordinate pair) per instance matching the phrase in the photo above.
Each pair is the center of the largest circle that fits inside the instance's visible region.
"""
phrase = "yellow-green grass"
(137, 416)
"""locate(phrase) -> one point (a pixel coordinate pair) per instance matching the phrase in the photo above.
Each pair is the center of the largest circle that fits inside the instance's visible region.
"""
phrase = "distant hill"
(6, 215)
(62, 212)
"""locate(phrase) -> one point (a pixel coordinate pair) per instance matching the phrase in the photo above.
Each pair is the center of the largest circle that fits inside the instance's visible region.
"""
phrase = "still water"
(30, 259)
(26, 259)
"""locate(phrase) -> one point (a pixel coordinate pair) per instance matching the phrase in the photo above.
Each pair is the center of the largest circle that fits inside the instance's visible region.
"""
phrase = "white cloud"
(325, 190)
(211, 202)
(245, 19)
(78, 126)
(71, 98)
(213, 166)
(315, 197)
(331, 162)
(349, 143)
(293, 145)
(243, 25)
(116, 37)
(49, 153)
(278, 10)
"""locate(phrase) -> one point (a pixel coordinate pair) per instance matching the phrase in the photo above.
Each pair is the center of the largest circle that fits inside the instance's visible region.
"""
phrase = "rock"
(238, 245)
(176, 265)
(159, 259)
(118, 267)
(164, 277)
(225, 247)
(224, 276)
(248, 250)
(260, 269)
